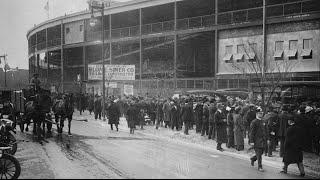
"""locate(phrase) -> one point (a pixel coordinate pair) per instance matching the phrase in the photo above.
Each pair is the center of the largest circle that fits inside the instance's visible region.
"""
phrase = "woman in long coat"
(238, 128)
(293, 147)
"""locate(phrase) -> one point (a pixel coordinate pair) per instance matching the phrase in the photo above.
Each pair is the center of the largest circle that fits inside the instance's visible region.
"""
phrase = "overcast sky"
(19, 16)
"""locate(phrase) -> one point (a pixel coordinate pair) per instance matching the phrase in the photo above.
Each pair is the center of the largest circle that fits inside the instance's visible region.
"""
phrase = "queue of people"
(292, 129)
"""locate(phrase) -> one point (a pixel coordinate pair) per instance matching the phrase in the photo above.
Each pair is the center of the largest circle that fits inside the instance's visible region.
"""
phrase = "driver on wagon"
(35, 82)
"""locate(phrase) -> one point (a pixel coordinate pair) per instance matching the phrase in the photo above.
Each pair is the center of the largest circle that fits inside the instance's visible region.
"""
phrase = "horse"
(63, 108)
(37, 106)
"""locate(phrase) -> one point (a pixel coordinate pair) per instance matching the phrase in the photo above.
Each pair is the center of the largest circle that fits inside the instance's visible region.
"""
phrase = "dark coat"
(205, 114)
(186, 113)
(212, 111)
(283, 124)
(293, 145)
(174, 115)
(114, 114)
(257, 133)
(238, 129)
(221, 127)
(132, 116)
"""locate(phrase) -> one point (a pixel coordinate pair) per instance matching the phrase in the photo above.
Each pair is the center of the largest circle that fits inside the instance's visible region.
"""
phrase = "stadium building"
(177, 44)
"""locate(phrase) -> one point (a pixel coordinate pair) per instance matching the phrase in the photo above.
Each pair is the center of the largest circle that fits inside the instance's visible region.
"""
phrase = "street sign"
(112, 72)
(128, 89)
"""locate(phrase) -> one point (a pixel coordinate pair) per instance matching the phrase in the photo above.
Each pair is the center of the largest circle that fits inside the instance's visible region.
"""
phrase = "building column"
(216, 45)
(175, 45)
(140, 39)
(84, 63)
(62, 61)
(110, 34)
(47, 56)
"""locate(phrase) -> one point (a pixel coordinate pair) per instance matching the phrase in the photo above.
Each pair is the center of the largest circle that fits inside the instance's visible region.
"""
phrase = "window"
(240, 53)
(228, 49)
(307, 49)
(67, 30)
(253, 47)
(240, 48)
(81, 28)
(279, 46)
(292, 53)
(228, 55)
(307, 44)
(278, 55)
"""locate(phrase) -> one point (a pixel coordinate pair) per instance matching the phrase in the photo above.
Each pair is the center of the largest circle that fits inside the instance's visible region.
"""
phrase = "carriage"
(14, 100)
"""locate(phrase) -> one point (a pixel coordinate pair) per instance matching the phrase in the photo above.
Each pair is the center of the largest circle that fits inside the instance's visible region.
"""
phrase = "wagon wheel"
(9, 167)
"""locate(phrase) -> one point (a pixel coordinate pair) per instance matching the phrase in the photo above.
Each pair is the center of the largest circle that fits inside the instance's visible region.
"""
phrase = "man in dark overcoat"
(293, 147)
(174, 116)
(132, 115)
(187, 115)
(257, 138)
(159, 120)
(212, 111)
(220, 120)
(114, 115)
(284, 116)
(97, 107)
(198, 112)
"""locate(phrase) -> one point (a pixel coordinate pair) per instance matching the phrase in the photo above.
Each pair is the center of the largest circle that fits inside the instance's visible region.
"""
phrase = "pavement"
(94, 151)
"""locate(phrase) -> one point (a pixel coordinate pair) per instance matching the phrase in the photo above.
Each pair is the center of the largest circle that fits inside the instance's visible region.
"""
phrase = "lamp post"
(92, 22)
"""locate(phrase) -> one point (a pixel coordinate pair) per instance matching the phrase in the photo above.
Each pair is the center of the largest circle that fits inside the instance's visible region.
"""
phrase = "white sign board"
(128, 89)
(111, 85)
(112, 72)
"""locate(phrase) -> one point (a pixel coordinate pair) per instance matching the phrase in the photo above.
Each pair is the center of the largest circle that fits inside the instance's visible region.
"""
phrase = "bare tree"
(266, 75)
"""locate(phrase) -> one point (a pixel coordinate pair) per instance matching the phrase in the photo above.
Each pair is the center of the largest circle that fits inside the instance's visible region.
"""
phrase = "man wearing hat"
(257, 138)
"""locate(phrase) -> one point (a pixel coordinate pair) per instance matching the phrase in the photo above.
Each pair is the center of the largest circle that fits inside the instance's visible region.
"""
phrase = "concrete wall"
(281, 32)
(75, 35)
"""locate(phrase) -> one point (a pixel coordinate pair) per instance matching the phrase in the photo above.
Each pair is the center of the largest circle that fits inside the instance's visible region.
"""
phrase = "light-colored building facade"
(178, 44)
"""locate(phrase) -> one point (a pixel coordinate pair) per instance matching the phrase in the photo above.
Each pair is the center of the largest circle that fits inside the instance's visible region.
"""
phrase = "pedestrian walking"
(97, 107)
(114, 114)
(132, 114)
(284, 116)
(221, 123)
(293, 147)
(257, 139)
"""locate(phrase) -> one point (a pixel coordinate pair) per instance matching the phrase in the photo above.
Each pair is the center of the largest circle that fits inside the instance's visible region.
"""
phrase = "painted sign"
(128, 89)
(112, 72)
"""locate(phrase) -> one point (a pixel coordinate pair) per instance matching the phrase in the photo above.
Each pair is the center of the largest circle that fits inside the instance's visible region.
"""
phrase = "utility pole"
(5, 69)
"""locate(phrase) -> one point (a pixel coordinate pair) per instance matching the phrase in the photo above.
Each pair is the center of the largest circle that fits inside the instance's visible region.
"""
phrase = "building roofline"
(108, 10)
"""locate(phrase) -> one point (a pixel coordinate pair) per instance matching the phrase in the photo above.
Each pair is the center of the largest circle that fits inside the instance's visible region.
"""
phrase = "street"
(94, 151)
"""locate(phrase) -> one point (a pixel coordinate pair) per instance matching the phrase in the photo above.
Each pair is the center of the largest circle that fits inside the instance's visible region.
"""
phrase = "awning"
(238, 56)
(306, 52)
(278, 54)
(228, 57)
(292, 53)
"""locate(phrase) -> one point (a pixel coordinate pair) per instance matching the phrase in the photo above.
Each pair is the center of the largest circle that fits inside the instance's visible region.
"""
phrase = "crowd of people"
(230, 122)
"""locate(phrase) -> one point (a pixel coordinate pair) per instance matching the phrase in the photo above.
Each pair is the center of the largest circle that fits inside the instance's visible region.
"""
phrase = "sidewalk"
(310, 161)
